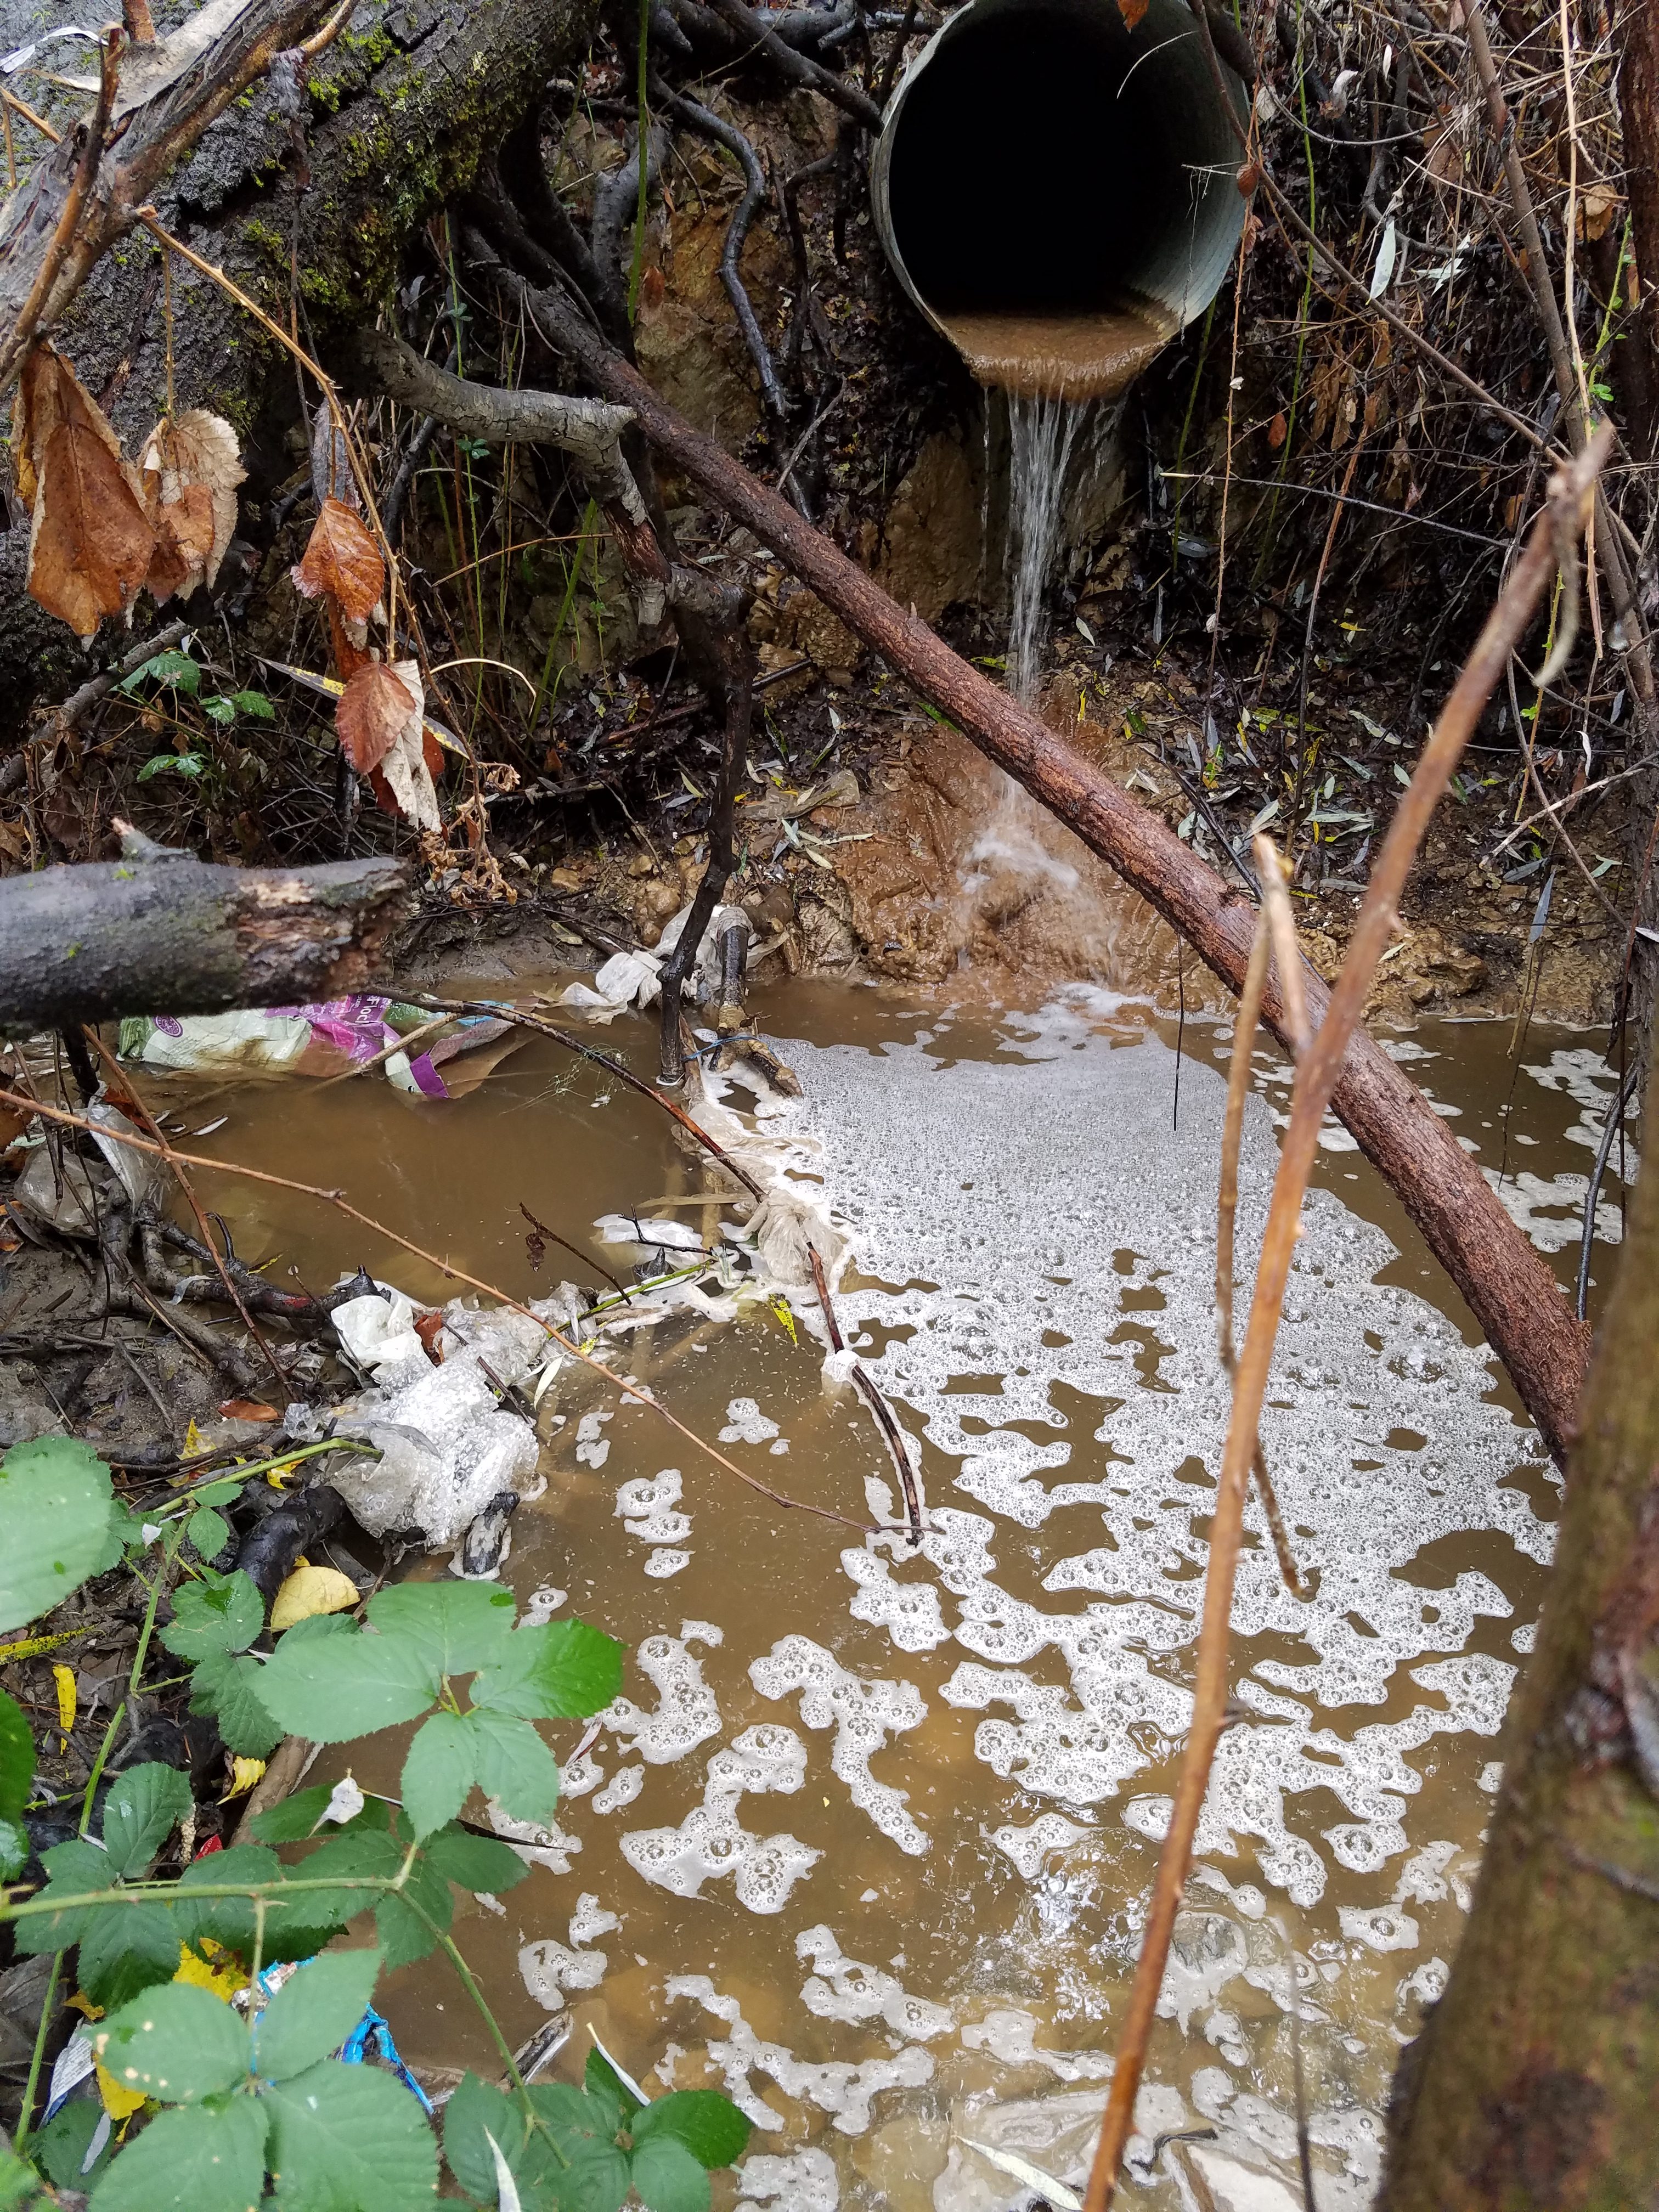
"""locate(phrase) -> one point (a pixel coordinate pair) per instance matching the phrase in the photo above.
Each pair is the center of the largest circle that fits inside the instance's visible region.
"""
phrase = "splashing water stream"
(1043, 433)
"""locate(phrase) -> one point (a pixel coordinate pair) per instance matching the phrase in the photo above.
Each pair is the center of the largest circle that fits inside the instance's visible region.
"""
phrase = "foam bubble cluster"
(1073, 1249)
(686, 1713)
(837, 2087)
(848, 1989)
(863, 1714)
(711, 1842)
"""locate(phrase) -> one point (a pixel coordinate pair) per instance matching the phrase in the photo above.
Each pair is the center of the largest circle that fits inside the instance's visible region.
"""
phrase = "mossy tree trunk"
(1534, 2083)
(398, 114)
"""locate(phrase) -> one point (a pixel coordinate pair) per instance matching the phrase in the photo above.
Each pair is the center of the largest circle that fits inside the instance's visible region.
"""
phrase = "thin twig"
(1281, 925)
(1603, 1153)
(1571, 492)
(886, 1421)
(1245, 1023)
(541, 1229)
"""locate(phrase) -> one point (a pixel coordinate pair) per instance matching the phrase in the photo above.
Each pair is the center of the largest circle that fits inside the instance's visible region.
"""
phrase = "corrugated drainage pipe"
(1057, 192)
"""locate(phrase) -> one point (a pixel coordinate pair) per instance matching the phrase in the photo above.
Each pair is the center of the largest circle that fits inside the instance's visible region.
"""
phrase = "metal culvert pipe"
(1056, 193)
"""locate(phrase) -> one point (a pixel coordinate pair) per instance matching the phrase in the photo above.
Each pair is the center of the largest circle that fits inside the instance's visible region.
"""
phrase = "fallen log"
(1508, 1284)
(162, 932)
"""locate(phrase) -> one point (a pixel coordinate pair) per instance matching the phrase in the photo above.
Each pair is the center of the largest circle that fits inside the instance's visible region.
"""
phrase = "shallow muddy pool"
(870, 1838)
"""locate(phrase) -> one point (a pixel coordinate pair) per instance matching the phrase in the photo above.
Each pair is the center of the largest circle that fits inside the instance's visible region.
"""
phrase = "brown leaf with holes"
(189, 469)
(90, 542)
(343, 563)
(375, 709)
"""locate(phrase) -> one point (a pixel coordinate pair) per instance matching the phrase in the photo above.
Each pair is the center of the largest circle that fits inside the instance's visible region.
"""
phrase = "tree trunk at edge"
(1533, 2084)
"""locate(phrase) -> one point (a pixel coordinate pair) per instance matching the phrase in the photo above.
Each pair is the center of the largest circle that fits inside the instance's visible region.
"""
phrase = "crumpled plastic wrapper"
(449, 1448)
(629, 979)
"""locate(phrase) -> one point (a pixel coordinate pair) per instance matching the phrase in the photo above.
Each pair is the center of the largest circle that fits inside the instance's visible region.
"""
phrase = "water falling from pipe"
(1043, 430)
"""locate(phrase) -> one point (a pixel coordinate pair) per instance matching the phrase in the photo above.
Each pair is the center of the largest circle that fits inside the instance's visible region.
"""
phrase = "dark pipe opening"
(1020, 182)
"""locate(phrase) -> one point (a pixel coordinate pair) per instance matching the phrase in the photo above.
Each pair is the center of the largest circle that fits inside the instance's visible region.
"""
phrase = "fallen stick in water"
(1509, 1285)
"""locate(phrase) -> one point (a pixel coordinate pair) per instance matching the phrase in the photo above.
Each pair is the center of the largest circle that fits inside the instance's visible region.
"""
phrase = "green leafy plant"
(173, 670)
(238, 2110)
(341, 1681)
(591, 2146)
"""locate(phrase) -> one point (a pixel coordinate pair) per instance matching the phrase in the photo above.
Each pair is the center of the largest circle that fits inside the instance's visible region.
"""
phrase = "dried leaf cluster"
(102, 530)
(381, 715)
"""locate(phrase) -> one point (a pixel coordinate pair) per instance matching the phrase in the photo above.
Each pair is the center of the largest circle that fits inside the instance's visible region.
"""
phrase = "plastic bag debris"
(58, 1187)
(379, 1332)
(630, 979)
(326, 1038)
(449, 1448)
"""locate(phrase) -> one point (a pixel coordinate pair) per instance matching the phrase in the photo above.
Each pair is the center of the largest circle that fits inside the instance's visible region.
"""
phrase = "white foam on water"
(552, 1972)
(1027, 1849)
(686, 1713)
(910, 1612)
(1078, 1275)
(1064, 1376)
(805, 2182)
(1010, 2033)
(848, 1989)
(746, 1424)
(711, 1842)
(648, 1506)
(590, 1920)
(863, 1714)
(838, 2087)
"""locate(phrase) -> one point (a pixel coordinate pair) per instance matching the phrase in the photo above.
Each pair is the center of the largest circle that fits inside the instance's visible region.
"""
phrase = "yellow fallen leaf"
(84, 2004)
(120, 2104)
(64, 1677)
(193, 1443)
(201, 1974)
(244, 1772)
(310, 1591)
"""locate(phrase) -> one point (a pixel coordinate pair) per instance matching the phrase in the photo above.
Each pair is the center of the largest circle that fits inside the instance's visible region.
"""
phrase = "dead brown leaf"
(1278, 430)
(1131, 11)
(184, 534)
(343, 563)
(375, 708)
(1597, 206)
(404, 769)
(190, 462)
(90, 542)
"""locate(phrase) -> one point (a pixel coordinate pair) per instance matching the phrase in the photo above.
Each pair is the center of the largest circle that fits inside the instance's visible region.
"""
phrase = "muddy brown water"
(872, 1841)
(1078, 357)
